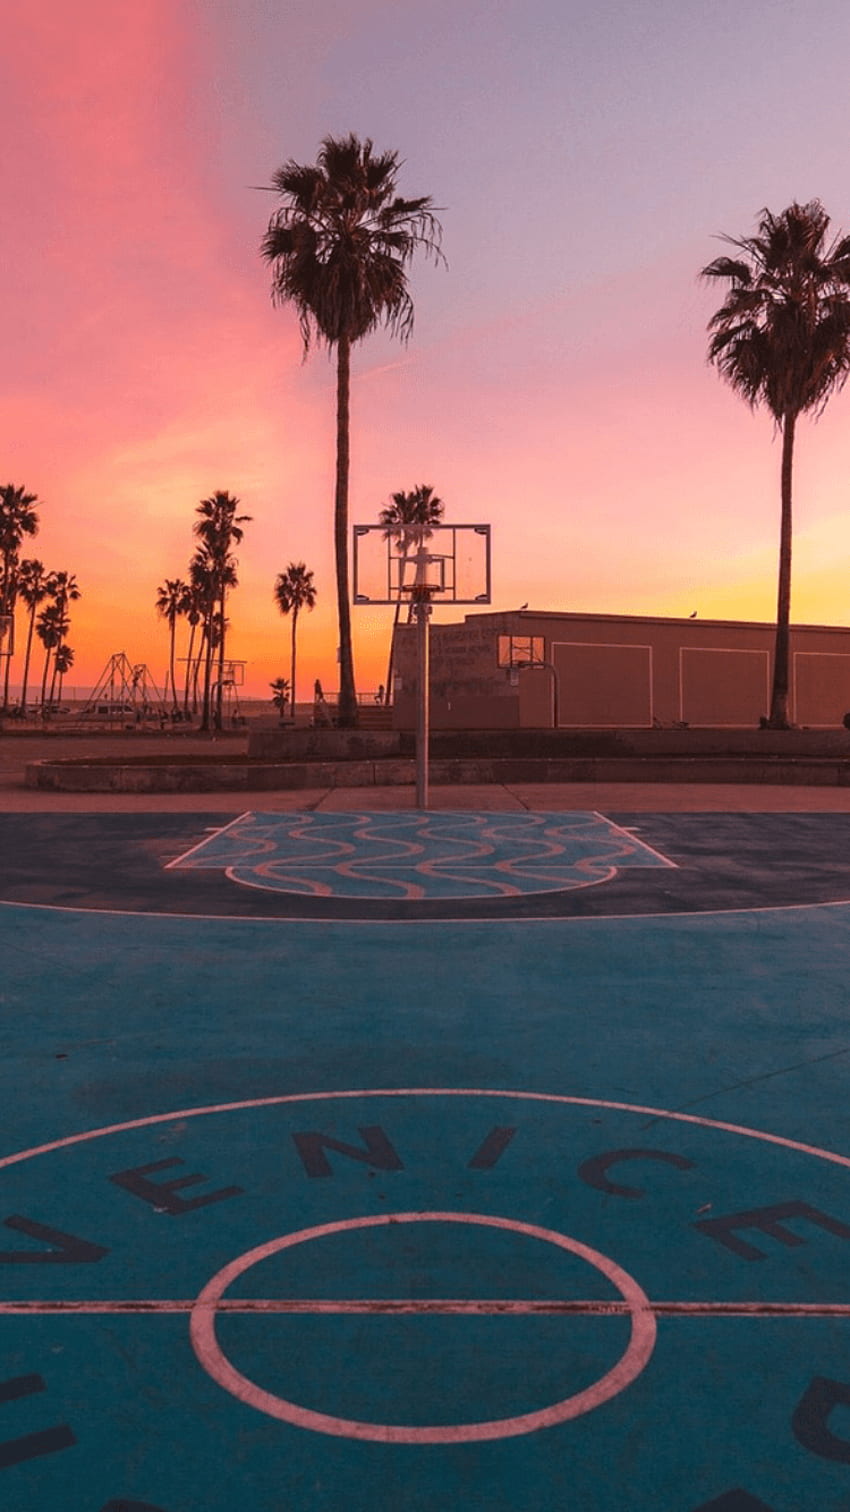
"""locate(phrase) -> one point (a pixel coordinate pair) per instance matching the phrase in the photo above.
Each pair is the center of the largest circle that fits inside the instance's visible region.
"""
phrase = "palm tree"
(33, 589)
(294, 590)
(408, 519)
(18, 518)
(51, 627)
(782, 338)
(280, 696)
(170, 603)
(64, 590)
(198, 609)
(63, 661)
(339, 246)
(219, 528)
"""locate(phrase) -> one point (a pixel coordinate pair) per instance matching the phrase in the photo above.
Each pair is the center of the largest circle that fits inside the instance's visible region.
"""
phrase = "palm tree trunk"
(8, 671)
(208, 656)
(44, 677)
(55, 670)
(292, 679)
(347, 710)
(171, 662)
(781, 661)
(196, 670)
(219, 690)
(27, 663)
(192, 629)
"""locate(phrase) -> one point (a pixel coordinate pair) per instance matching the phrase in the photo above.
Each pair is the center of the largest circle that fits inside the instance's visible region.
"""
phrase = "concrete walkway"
(16, 751)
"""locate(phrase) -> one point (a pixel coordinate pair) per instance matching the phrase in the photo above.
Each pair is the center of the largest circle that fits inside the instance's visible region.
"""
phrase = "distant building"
(532, 669)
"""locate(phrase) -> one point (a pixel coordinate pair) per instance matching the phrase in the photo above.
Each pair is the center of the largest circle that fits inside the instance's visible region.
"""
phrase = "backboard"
(447, 564)
(234, 674)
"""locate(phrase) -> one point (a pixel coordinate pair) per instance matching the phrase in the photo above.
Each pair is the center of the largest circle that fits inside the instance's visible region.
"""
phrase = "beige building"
(530, 669)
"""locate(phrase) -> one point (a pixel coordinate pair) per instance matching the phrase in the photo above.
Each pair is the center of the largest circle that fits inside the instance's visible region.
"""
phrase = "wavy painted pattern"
(417, 856)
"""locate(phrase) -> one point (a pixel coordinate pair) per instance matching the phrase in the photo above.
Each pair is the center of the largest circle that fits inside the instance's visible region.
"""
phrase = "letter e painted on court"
(734, 1501)
(770, 1221)
(163, 1195)
(376, 1151)
(31, 1445)
(66, 1248)
(811, 1419)
(595, 1170)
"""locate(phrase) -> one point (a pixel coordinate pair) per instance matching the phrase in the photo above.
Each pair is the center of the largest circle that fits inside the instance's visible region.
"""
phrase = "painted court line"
(212, 834)
(561, 1099)
(424, 1306)
(372, 923)
(632, 835)
(214, 1360)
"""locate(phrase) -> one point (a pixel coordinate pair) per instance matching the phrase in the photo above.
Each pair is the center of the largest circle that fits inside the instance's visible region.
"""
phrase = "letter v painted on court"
(65, 1249)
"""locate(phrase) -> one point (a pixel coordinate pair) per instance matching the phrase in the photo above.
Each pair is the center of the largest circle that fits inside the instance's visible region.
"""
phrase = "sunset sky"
(585, 155)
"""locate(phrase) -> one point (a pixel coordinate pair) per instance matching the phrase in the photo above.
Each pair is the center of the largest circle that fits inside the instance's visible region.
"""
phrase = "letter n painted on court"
(811, 1419)
(31, 1445)
(771, 1221)
(162, 1195)
(376, 1151)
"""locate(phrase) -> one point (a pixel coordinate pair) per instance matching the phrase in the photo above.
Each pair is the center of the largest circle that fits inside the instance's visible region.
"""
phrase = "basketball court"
(384, 1159)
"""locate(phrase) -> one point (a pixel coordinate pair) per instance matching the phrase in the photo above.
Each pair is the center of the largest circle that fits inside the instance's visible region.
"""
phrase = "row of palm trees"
(45, 595)
(201, 599)
(406, 519)
(339, 246)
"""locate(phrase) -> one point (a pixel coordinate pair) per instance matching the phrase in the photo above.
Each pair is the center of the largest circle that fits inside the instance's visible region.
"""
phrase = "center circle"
(213, 1359)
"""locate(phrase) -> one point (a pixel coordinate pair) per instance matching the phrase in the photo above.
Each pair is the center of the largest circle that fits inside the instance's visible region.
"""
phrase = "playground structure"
(126, 694)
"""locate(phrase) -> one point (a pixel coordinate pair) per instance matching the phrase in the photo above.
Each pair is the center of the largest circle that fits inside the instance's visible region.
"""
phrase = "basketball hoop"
(391, 565)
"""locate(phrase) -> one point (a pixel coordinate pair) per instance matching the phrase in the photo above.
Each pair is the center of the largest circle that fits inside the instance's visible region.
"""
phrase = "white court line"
(559, 1098)
(631, 835)
(424, 1306)
(211, 835)
(379, 923)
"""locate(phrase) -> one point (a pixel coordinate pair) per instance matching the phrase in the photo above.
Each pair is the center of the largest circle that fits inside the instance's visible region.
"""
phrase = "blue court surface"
(425, 1162)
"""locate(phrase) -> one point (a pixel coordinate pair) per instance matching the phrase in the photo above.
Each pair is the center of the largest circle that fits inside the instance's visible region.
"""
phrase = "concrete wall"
(621, 671)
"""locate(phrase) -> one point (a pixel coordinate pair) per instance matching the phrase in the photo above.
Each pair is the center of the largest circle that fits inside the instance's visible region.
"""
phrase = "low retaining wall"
(212, 777)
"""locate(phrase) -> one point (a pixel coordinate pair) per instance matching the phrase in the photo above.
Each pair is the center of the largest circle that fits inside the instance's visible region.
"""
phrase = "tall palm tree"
(407, 519)
(782, 338)
(198, 596)
(18, 518)
(51, 627)
(170, 603)
(339, 246)
(65, 590)
(294, 590)
(33, 590)
(219, 529)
